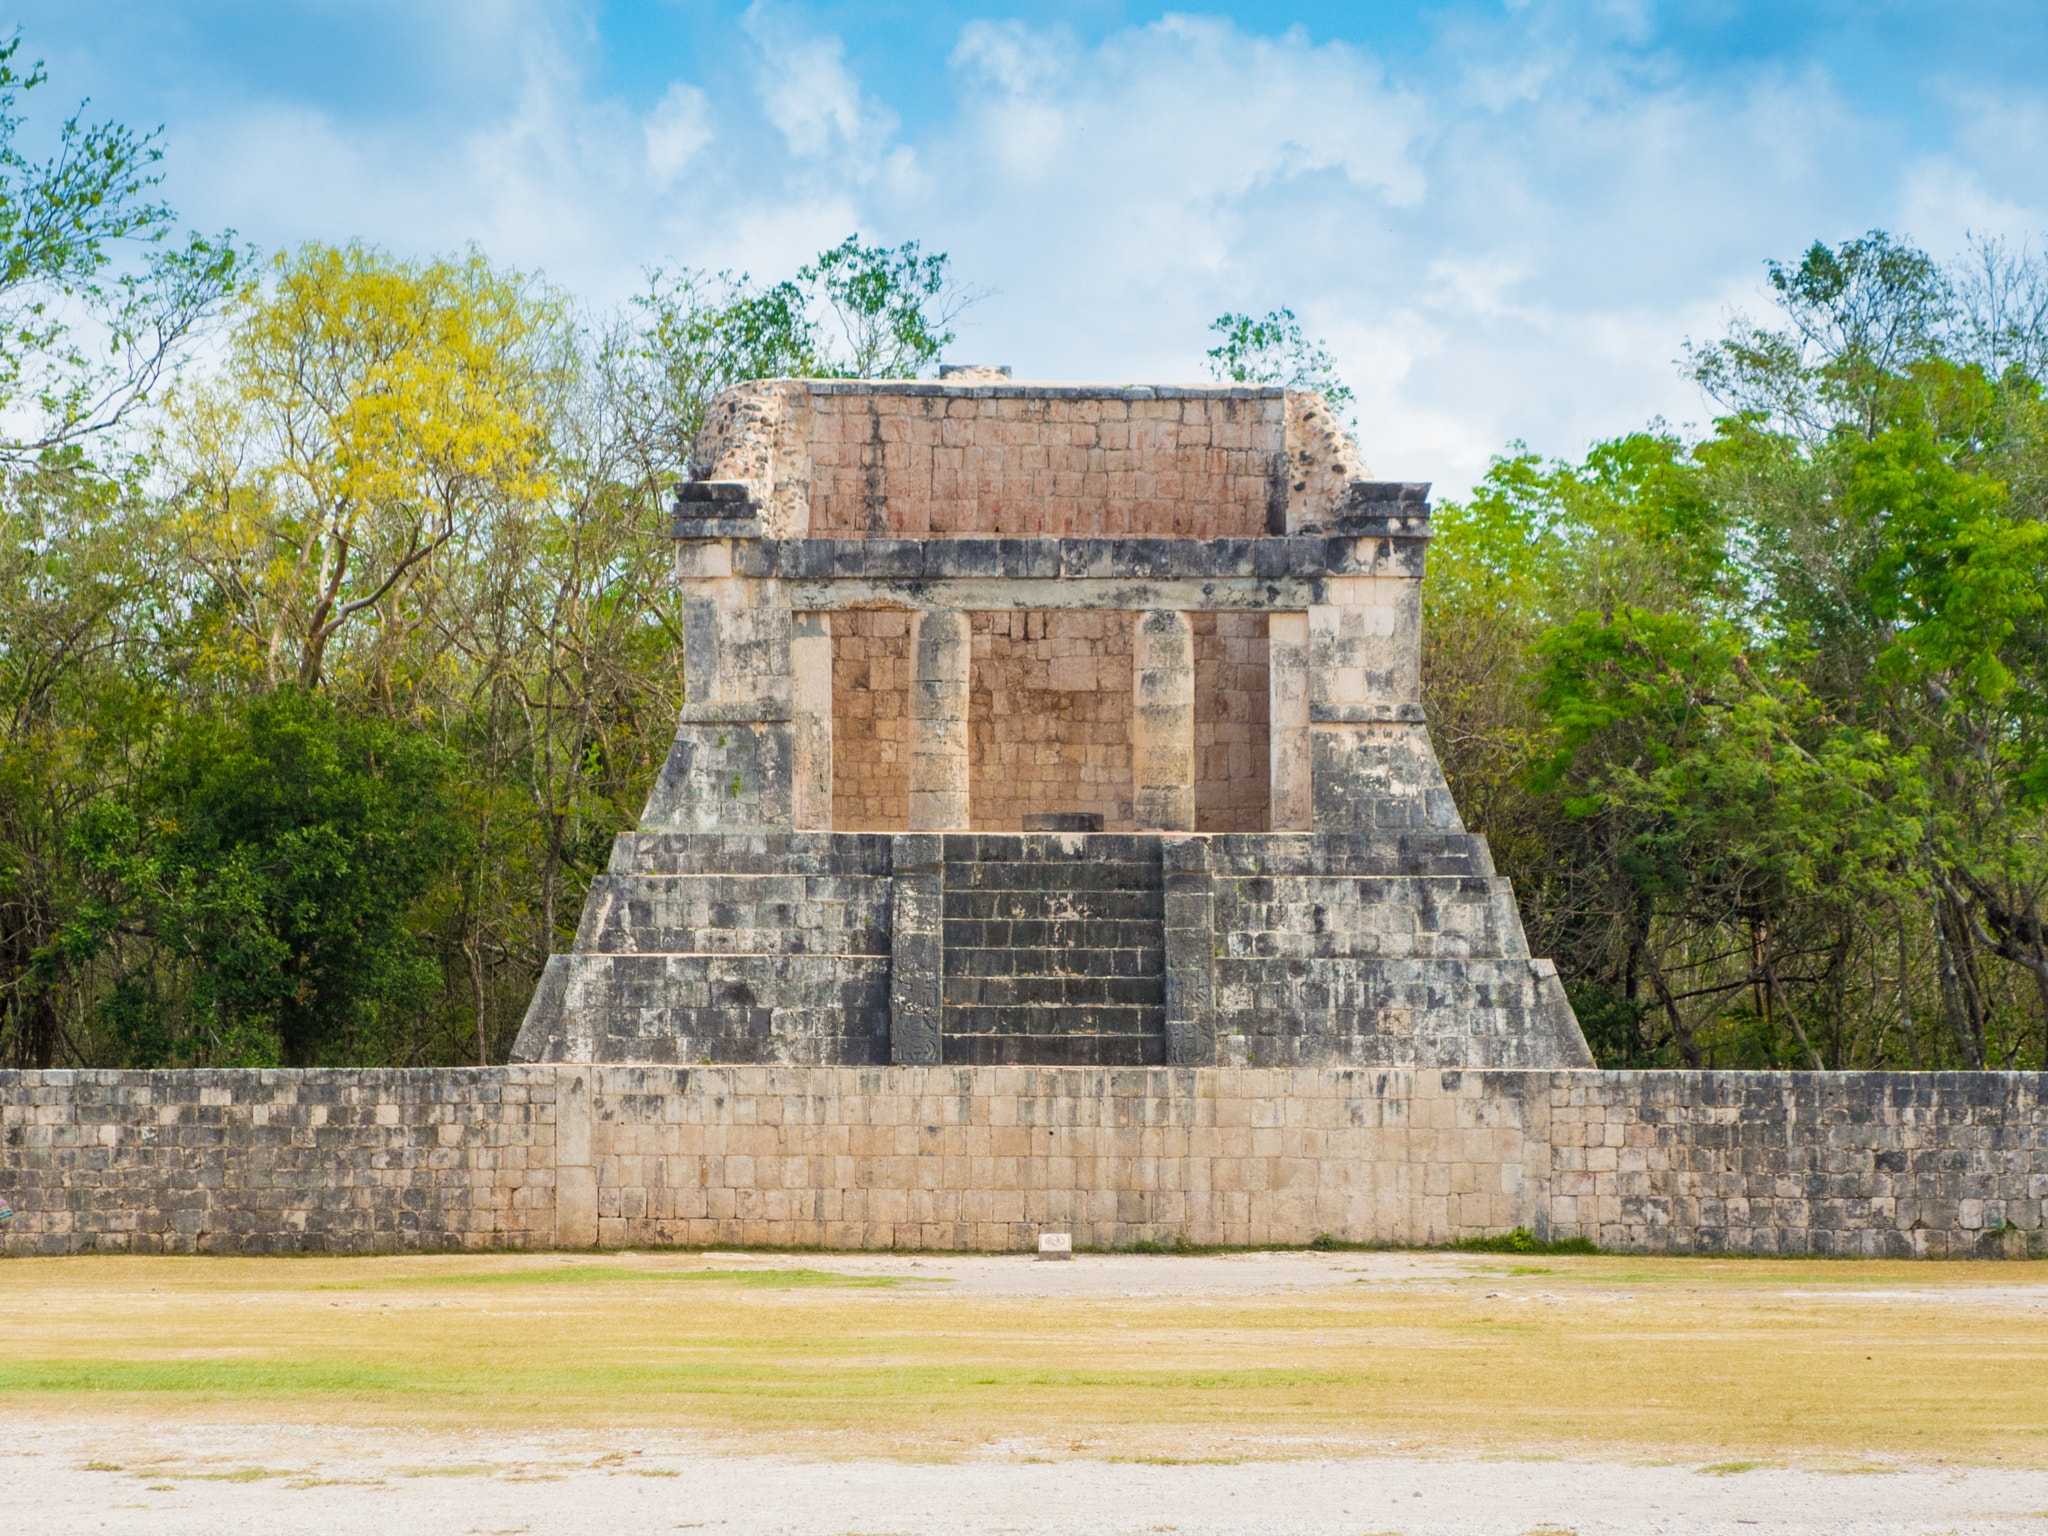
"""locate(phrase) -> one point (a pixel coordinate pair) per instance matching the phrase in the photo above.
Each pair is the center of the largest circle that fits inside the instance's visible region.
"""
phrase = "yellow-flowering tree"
(369, 413)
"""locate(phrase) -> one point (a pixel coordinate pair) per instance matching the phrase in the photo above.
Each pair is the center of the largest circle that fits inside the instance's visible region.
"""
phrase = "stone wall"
(870, 720)
(1929, 1165)
(1042, 463)
(1049, 718)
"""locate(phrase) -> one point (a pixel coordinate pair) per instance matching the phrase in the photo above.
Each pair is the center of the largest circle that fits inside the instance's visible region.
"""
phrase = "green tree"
(1273, 350)
(1754, 721)
(274, 856)
(86, 619)
(856, 311)
(85, 250)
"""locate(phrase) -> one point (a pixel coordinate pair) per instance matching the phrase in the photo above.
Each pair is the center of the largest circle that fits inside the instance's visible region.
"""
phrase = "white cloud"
(805, 87)
(676, 129)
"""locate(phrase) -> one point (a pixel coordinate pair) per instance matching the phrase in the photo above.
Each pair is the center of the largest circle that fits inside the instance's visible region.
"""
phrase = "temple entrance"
(1050, 713)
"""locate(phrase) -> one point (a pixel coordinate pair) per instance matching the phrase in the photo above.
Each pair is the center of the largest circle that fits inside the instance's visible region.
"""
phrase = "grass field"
(1732, 1361)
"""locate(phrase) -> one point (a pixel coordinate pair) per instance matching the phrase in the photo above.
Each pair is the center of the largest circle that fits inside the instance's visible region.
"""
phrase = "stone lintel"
(878, 559)
(997, 595)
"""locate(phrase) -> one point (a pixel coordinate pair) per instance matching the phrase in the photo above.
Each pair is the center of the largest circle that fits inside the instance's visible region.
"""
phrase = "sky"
(1506, 220)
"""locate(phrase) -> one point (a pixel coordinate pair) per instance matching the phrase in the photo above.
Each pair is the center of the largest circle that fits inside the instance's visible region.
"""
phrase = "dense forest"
(335, 645)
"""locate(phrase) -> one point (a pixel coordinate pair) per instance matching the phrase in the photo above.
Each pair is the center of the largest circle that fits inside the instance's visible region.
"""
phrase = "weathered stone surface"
(916, 945)
(340, 1161)
(940, 655)
(1163, 724)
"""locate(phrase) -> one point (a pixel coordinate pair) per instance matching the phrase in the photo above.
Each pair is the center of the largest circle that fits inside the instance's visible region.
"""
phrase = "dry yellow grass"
(1673, 1357)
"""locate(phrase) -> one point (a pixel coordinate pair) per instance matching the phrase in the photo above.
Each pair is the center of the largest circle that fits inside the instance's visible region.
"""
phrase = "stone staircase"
(1055, 951)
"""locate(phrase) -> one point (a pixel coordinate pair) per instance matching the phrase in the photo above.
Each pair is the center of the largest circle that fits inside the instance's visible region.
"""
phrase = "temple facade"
(1048, 725)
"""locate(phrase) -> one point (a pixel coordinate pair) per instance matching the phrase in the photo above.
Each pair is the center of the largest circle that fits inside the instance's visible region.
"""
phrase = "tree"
(893, 308)
(1273, 350)
(856, 311)
(1754, 722)
(275, 856)
(65, 223)
(84, 617)
(370, 412)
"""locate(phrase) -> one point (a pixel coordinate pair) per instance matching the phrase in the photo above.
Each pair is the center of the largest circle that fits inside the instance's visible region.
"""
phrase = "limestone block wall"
(1929, 1165)
(267, 1162)
(1049, 717)
(1042, 462)
(855, 458)
(1233, 763)
(870, 720)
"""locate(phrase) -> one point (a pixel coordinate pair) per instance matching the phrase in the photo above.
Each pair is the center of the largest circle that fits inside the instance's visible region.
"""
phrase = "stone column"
(1163, 723)
(1371, 763)
(1287, 714)
(729, 769)
(575, 1168)
(810, 665)
(941, 655)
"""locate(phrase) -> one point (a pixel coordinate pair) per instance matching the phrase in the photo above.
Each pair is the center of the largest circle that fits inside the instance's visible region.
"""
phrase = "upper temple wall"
(886, 459)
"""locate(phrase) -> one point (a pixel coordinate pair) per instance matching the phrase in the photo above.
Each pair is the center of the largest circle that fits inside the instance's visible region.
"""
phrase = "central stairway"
(1055, 951)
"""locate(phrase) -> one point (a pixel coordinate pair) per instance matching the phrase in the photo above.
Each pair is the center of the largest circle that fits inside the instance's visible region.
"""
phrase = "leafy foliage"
(274, 863)
(64, 221)
(1273, 350)
(857, 311)
(1755, 721)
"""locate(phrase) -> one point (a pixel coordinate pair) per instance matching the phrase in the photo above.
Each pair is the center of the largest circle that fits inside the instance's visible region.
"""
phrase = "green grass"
(273, 1378)
(1522, 1240)
(586, 1274)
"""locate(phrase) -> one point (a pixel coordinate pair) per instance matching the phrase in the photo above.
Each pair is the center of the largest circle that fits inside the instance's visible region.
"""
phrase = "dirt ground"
(1281, 1392)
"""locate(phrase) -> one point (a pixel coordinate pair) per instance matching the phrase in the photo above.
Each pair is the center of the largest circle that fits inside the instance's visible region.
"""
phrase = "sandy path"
(170, 1481)
(1125, 1274)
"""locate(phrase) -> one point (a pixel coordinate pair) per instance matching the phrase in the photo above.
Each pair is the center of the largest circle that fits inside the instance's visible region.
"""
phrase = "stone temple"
(1050, 725)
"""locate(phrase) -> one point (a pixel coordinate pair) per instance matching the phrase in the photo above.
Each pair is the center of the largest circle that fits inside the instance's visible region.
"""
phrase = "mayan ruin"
(1051, 725)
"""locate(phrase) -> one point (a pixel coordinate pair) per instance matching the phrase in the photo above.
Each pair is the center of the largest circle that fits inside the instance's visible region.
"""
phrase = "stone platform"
(1052, 949)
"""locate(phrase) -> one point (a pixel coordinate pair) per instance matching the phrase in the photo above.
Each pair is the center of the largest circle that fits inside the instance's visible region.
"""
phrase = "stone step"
(1054, 1050)
(1332, 917)
(1052, 848)
(1361, 855)
(1018, 924)
(1049, 957)
(735, 914)
(1039, 990)
(1104, 879)
(1047, 1022)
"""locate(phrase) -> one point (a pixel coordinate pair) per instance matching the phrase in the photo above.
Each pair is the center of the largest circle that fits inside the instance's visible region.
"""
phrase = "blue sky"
(1506, 219)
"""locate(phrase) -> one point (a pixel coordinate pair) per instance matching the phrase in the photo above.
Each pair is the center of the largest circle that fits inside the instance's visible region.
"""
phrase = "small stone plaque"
(1055, 1245)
